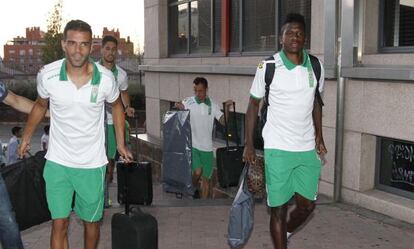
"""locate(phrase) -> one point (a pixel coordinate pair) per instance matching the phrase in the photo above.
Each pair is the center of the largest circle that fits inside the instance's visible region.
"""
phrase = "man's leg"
(9, 231)
(278, 226)
(91, 233)
(59, 235)
(110, 171)
(204, 187)
(299, 215)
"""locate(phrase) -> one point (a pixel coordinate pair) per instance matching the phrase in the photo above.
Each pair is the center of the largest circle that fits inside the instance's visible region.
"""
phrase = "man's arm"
(19, 103)
(36, 115)
(249, 154)
(130, 111)
(317, 121)
(118, 117)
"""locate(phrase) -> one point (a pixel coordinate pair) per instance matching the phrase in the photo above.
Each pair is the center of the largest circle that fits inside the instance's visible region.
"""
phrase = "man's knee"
(60, 224)
(305, 208)
(278, 213)
(198, 172)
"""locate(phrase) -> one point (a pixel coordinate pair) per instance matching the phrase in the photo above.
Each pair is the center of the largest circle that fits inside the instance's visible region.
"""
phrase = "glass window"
(235, 26)
(191, 26)
(259, 25)
(178, 30)
(259, 18)
(217, 25)
(398, 28)
(201, 26)
(395, 170)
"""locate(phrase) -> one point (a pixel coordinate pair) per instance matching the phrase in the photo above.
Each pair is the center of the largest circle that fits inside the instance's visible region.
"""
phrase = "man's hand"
(23, 148)
(125, 154)
(249, 154)
(320, 146)
(179, 105)
(130, 111)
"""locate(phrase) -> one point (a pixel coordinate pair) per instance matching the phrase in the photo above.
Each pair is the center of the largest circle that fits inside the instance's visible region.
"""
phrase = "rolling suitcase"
(229, 158)
(135, 230)
(139, 177)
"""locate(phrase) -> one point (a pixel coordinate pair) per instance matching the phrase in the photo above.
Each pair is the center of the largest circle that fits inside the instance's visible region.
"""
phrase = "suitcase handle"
(226, 125)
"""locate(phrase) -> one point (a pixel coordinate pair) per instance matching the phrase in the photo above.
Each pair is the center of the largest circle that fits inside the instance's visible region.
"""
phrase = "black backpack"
(270, 72)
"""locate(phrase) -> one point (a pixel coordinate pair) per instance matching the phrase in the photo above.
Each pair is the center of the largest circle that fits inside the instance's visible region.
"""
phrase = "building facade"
(367, 48)
(25, 53)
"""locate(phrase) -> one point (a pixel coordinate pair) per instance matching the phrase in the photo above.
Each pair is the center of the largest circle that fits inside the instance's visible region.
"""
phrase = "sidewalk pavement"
(202, 224)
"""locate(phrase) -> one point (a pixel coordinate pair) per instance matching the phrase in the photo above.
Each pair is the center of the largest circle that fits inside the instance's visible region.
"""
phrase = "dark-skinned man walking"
(292, 134)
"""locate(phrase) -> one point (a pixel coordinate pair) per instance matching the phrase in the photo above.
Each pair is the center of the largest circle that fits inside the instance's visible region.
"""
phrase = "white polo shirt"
(121, 78)
(289, 124)
(76, 137)
(202, 115)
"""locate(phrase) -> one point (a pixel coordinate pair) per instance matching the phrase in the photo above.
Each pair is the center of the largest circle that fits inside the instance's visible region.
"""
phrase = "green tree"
(53, 50)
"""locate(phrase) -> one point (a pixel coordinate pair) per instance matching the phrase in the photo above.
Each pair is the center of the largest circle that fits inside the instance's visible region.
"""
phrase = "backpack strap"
(316, 67)
(269, 73)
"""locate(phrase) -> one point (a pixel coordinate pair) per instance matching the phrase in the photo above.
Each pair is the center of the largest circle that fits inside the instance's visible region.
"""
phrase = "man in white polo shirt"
(292, 135)
(203, 111)
(76, 89)
(109, 52)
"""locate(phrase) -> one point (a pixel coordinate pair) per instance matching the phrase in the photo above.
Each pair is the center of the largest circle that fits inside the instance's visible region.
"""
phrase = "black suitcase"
(229, 158)
(139, 177)
(135, 230)
(27, 190)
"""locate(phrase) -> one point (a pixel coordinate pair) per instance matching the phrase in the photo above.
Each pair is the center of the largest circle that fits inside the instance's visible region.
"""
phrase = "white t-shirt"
(202, 117)
(44, 139)
(121, 78)
(76, 137)
(289, 124)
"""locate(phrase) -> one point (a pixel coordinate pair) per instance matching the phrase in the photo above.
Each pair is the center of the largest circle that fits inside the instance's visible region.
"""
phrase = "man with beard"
(109, 52)
(77, 90)
(293, 141)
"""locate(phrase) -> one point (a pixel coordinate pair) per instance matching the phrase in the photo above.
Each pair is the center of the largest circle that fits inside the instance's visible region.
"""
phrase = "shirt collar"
(114, 69)
(289, 64)
(96, 75)
(207, 101)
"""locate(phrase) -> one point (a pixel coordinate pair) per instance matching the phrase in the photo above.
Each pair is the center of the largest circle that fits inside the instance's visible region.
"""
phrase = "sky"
(127, 15)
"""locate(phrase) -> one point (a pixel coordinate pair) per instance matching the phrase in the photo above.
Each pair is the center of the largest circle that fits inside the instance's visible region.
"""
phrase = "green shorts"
(87, 184)
(288, 173)
(204, 160)
(110, 142)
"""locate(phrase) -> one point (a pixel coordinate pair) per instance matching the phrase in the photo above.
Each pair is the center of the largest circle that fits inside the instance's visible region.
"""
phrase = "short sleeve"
(186, 103)
(113, 93)
(257, 89)
(41, 89)
(322, 79)
(123, 81)
(3, 91)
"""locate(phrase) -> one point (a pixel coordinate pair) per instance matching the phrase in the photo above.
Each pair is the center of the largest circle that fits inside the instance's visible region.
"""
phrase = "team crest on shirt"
(260, 66)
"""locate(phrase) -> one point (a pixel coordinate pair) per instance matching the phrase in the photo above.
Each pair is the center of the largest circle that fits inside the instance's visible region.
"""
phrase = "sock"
(288, 235)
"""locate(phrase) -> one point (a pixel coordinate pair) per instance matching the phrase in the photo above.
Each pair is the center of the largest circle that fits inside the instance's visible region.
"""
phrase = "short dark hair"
(15, 130)
(294, 18)
(201, 80)
(77, 25)
(46, 129)
(109, 38)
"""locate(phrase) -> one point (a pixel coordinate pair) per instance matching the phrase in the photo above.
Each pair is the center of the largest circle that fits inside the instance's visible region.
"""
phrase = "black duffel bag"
(27, 190)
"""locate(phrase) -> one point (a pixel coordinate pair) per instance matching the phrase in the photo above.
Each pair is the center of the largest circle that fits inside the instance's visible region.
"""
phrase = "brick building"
(25, 53)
